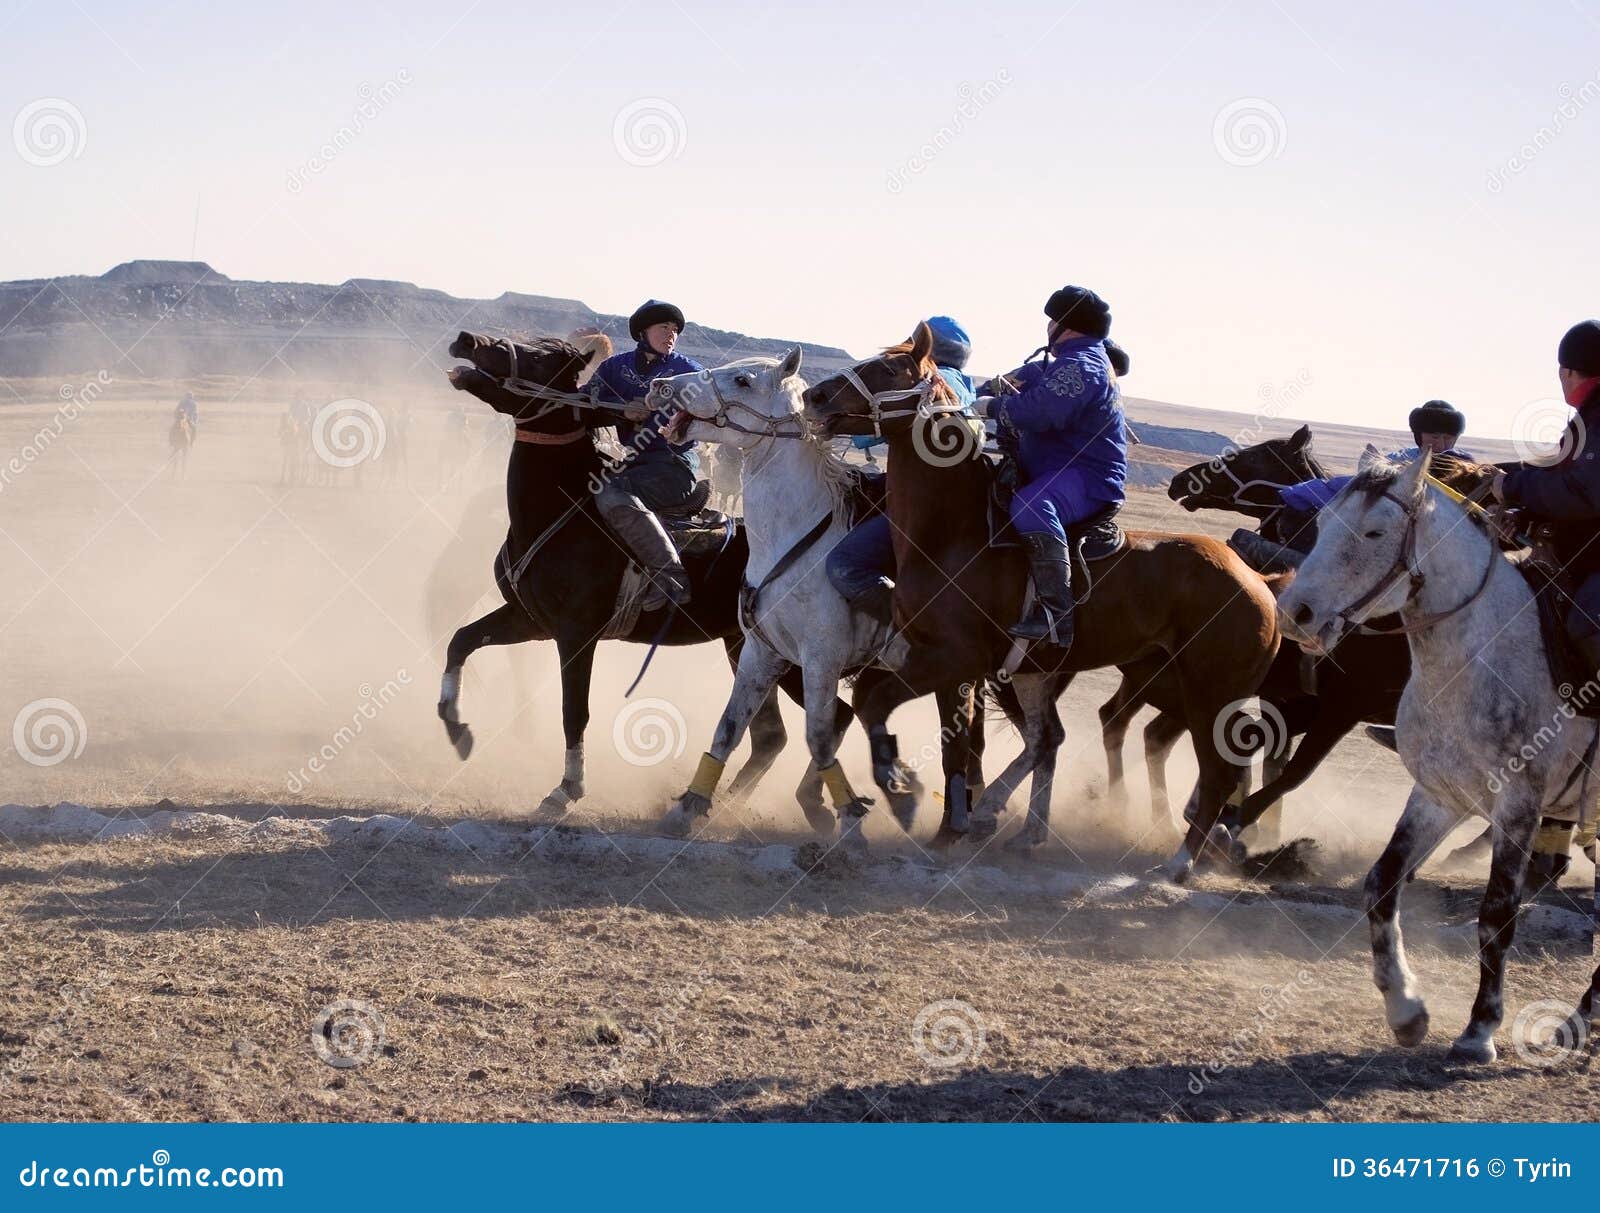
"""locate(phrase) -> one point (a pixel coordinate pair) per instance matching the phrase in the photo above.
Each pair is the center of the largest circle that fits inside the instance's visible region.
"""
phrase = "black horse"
(560, 569)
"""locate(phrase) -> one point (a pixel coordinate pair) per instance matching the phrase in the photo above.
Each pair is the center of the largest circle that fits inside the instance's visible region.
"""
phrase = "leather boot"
(641, 531)
(1050, 616)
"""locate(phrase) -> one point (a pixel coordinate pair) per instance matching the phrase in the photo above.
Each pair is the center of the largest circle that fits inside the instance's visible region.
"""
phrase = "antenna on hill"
(194, 238)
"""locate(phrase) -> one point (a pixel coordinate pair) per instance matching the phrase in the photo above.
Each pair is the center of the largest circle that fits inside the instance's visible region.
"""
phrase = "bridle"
(790, 426)
(1404, 566)
(922, 392)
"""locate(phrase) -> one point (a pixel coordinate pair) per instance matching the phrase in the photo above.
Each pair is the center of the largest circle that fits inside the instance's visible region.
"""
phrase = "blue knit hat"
(951, 345)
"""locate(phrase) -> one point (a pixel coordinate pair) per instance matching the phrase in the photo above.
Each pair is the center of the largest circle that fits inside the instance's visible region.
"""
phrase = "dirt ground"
(212, 634)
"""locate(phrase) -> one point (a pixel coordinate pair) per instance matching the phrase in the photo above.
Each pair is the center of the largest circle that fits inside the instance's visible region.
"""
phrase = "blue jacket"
(960, 384)
(624, 379)
(1567, 493)
(1069, 414)
(1310, 496)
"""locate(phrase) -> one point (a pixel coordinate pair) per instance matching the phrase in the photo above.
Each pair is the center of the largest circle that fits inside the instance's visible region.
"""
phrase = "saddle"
(1096, 538)
(694, 529)
(1552, 596)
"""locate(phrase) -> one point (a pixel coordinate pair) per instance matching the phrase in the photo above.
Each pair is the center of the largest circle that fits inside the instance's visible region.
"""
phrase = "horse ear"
(1411, 481)
(790, 365)
(922, 341)
(1369, 455)
(1300, 439)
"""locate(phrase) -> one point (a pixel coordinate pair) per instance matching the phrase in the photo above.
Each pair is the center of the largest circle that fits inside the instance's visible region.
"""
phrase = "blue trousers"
(863, 560)
(1052, 503)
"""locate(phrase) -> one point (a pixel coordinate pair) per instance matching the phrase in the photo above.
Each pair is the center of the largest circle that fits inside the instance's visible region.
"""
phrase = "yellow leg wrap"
(833, 778)
(975, 792)
(707, 775)
(1585, 834)
(1553, 838)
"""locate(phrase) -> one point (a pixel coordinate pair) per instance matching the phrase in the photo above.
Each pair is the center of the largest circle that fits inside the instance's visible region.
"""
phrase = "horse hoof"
(852, 842)
(1176, 870)
(681, 818)
(461, 737)
(1472, 1051)
(1413, 1031)
(903, 806)
(945, 838)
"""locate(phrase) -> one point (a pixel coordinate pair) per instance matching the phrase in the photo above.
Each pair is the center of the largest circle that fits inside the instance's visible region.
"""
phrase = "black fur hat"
(1580, 348)
(1077, 307)
(1438, 417)
(653, 311)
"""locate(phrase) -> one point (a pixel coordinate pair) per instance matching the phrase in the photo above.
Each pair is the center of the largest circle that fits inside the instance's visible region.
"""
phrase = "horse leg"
(575, 651)
(956, 718)
(822, 739)
(1515, 820)
(1030, 696)
(1421, 828)
(508, 624)
(1037, 829)
(1160, 735)
(759, 670)
(1116, 714)
(767, 734)
(1219, 776)
(877, 694)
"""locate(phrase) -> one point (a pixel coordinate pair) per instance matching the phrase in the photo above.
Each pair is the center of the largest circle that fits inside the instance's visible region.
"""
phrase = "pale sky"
(1394, 241)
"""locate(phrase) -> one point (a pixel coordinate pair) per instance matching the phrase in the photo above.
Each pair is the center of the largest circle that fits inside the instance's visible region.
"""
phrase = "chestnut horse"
(1187, 596)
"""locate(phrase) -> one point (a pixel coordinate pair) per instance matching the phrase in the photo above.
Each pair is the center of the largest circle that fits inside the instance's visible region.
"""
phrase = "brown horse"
(180, 438)
(1187, 596)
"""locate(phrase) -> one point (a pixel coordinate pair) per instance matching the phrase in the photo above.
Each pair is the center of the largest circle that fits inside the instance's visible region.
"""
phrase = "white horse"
(796, 507)
(1480, 727)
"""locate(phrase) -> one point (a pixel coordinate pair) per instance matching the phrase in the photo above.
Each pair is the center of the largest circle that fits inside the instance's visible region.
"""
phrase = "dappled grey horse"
(1481, 727)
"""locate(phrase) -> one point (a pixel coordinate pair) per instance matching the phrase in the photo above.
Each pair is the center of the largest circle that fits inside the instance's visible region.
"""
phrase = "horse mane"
(927, 368)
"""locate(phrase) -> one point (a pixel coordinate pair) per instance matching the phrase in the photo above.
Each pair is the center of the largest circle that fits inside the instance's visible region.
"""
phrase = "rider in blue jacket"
(1566, 492)
(1071, 449)
(658, 474)
(861, 565)
(1436, 426)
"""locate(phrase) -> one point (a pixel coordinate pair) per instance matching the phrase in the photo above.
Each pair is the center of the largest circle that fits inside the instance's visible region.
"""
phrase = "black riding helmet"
(653, 311)
(1437, 417)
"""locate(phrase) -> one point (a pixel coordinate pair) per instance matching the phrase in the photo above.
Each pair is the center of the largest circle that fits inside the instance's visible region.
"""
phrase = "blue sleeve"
(960, 384)
(1571, 492)
(862, 441)
(601, 389)
(1053, 401)
(1312, 495)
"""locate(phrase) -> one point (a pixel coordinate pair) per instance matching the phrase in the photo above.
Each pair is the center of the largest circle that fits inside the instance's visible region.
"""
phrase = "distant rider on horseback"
(188, 410)
(1435, 426)
(657, 474)
(1070, 442)
(1566, 492)
(861, 565)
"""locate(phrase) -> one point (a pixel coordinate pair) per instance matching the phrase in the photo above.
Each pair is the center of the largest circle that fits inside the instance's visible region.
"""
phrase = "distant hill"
(177, 319)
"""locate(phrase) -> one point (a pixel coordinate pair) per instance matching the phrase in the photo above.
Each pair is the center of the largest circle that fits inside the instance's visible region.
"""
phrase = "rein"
(1403, 567)
(769, 427)
(922, 392)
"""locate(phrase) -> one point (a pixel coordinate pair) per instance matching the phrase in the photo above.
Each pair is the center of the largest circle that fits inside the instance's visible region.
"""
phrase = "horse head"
(742, 403)
(1247, 480)
(882, 395)
(1366, 561)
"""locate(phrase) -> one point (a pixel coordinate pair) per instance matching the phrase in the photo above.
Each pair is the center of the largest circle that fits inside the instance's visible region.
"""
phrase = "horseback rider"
(1567, 491)
(1071, 449)
(861, 565)
(657, 474)
(188, 410)
(1436, 426)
